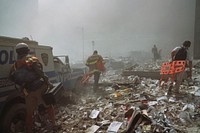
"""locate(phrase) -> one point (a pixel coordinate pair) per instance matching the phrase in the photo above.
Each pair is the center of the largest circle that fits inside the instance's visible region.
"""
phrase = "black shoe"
(170, 90)
(57, 127)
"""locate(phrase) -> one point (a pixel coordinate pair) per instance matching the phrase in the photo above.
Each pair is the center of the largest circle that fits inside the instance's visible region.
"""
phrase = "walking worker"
(155, 53)
(182, 53)
(32, 82)
(95, 63)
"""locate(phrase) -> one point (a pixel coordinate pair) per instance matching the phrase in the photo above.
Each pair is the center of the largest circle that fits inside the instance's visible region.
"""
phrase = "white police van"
(12, 107)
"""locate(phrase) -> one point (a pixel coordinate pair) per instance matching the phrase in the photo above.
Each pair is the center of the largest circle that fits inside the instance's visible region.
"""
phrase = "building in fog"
(17, 16)
(197, 31)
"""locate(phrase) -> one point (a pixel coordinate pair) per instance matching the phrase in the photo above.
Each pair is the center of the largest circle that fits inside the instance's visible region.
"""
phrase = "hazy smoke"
(116, 26)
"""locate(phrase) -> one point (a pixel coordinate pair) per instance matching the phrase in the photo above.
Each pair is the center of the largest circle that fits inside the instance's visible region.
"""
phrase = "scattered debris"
(132, 104)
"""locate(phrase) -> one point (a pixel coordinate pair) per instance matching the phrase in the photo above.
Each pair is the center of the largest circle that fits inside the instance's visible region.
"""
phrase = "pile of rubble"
(146, 66)
(132, 105)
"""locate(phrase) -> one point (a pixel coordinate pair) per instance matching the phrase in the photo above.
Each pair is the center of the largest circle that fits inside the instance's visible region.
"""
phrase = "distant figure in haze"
(95, 63)
(155, 53)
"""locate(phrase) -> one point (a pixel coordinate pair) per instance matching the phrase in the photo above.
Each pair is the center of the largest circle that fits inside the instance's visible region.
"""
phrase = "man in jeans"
(182, 53)
(27, 73)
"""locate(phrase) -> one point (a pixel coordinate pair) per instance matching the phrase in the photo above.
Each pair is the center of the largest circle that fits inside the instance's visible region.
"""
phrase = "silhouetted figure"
(155, 53)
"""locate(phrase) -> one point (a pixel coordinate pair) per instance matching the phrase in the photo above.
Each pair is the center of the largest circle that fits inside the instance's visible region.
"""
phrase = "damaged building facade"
(197, 31)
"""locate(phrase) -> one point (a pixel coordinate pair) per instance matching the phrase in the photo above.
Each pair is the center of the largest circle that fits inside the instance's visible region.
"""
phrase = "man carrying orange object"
(182, 53)
(96, 66)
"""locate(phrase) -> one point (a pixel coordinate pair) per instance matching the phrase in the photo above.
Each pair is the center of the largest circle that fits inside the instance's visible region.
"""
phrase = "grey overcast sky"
(116, 26)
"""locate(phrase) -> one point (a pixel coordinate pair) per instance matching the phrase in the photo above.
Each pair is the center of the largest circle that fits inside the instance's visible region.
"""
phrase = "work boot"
(169, 92)
(190, 82)
(177, 94)
(175, 91)
(170, 88)
(56, 127)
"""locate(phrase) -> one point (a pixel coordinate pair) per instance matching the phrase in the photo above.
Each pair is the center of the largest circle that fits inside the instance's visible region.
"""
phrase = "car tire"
(14, 119)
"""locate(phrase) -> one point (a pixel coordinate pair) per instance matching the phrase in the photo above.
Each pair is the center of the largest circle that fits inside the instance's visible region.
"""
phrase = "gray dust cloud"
(113, 27)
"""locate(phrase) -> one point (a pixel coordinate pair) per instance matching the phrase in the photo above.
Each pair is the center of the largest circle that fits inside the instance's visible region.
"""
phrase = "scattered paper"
(114, 127)
(92, 129)
(94, 114)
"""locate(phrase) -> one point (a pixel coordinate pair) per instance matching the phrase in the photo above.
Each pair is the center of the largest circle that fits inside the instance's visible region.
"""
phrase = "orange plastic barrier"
(171, 68)
(85, 78)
